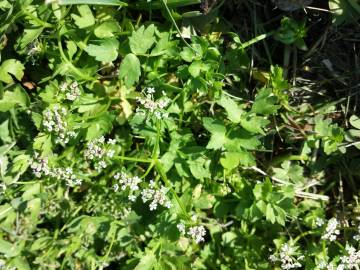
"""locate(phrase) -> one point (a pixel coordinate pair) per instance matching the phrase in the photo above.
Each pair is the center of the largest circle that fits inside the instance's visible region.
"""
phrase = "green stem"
(303, 235)
(36, 19)
(255, 40)
(70, 65)
(176, 26)
(110, 247)
(142, 160)
(160, 170)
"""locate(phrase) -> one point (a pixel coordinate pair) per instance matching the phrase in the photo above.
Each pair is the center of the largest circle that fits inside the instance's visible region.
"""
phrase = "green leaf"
(270, 215)
(93, 2)
(265, 102)
(86, 17)
(106, 51)
(9, 249)
(12, 98)
(205, 201)
(142, 39)
(187, 54)
(72, 48)
(280, 215)
(218, 132)
(147, 262)
(11, 67)
(344, 11)
(261, 205)
(130, 70)
(355, 121)
(233, 110)
(253, 123)
(239, 139)
(323, 127)
(100, 126)
(29, 36)
(199, 168)
(43, 143)
(20, 263)
(4, 132)
(231, 160)
(107, 29)
(197, 67)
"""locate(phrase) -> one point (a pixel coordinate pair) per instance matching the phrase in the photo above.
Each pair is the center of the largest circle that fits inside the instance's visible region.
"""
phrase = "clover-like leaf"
(130, 69)
(142, 39)
(86, 17)
(106, 51)
(11, 67)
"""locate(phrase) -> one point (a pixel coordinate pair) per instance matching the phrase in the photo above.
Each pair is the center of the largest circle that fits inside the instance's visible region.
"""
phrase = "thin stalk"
(141, 160)
(160, 170)
(176, 26)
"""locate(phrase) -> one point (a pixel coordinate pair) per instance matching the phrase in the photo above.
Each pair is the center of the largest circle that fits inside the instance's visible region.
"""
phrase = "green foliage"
(129, 142)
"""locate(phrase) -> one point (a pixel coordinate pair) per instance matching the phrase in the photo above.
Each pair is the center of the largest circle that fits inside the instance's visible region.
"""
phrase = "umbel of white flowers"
(197, 233)
(98, 150)
(152, 106)
(40, 167)
(331, 230)
(127, 182)
(288, 257)
(156, 195)
(72, 90)
(54, 122)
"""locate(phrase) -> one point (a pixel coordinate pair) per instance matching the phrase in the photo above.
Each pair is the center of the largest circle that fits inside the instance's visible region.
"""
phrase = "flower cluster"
(32, 51)
(40, 167)
(197, 233)
(351, 260)
(98, 150)
(357, 236)
(288, 257)
(152, 106)
(331, 231)
(72, 90)
(127, 182)
(319, 222)
(53, 121)
(156, 195)
(67, 175)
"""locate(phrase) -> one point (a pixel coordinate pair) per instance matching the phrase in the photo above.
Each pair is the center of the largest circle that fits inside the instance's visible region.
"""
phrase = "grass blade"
(170, 4)
(93, 2)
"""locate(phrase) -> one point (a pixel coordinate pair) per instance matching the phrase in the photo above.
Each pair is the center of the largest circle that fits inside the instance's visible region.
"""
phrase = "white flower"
(128, 182)
(97, 150)
(357, 236)
(152, 106)
(72, 91)
(111, 141)
(132, 198)
(197, 233)
(110, 153)
(150, 90)
(319, 222)
(288, 257)
(351, 260)
(331, 231)
(156, 196)
(181, 228)
(54, 122)
(116, 187)
(39, 166)
(48, 2)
